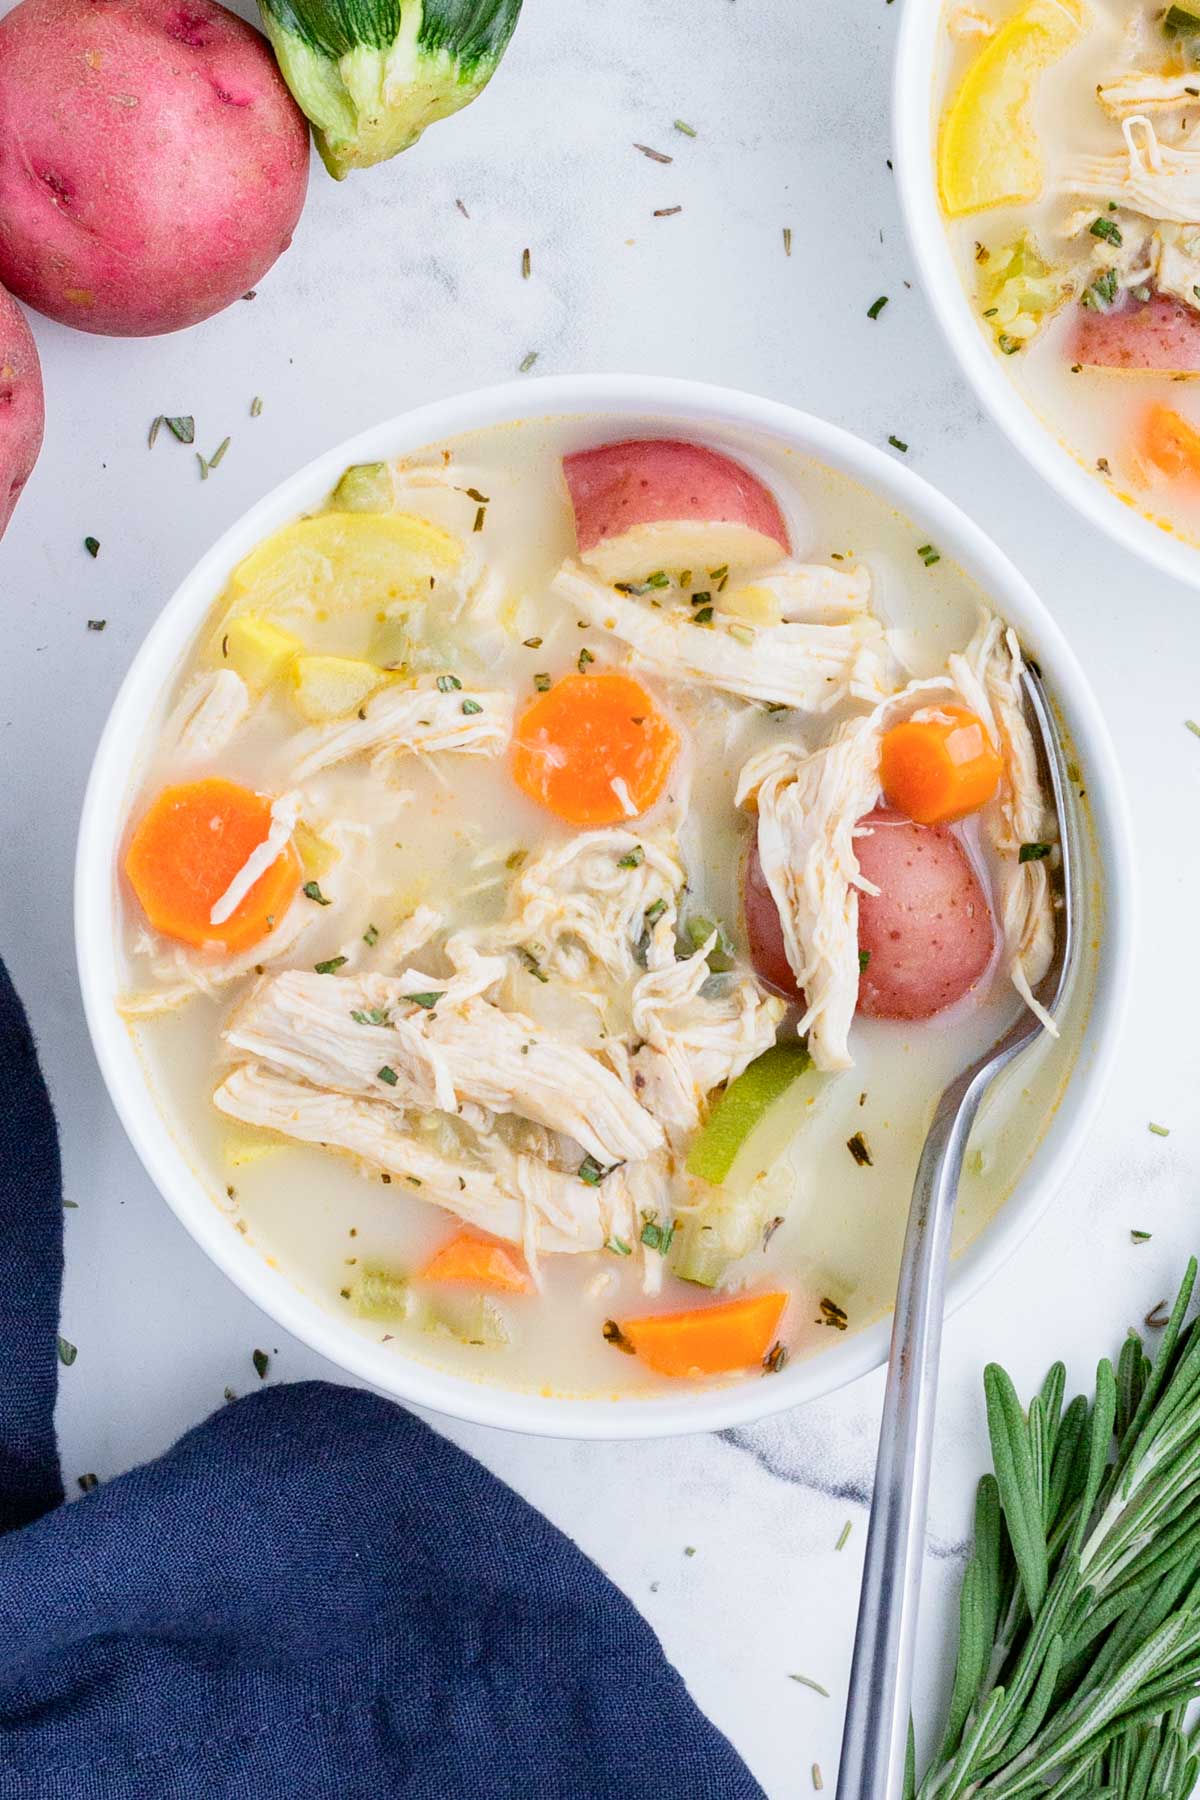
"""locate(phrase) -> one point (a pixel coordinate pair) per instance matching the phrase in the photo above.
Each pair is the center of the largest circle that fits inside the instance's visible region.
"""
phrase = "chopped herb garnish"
(657, 156)
(659, 579)
(655, 1236)
(1033, 853)
(877, 306)
(808, 1682)
(833, 1315)
(87, 1482)
(701, 597)
(262, 1363)
(471, 707)
(1179, 22)
(1192, 727)
(448, 684)
(928, 554)
(719, 576)
(990, 312)
(312, 891)
(1008, 346)
(426, 1002)
(687, 130)
(1102, 292)
(844, 1535)
(618, 1246)
(654, 911)
(480, 516)
(585, 657)
(331, 967)
(897, 443)
(864, 961)
(183, 427)
(376, 1015)
(92, 546)
(770, 1228)
(1160, 1130)
(857, 1146)
(1140, 1237)
(591, 1172)
(1106, 228)
(612, 1334)
(532, 964)
(527, 361)
(787, 240)
(96, 624)
(666, 212)
(702, 616)
(541, 681)
(256, 406)
(775, 1359)
(388, 1075)
(533, 643)
(1158, 1316)
(66, 1352)
(633, 859)
(371, 936)
(526, 265)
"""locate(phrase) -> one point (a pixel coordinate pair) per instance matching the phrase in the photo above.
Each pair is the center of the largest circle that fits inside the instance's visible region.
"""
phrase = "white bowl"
(628, 404)
(915, 114)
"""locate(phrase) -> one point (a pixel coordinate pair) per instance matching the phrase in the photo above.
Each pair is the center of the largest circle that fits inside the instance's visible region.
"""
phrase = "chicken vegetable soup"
(1069, 176)
(559, 887)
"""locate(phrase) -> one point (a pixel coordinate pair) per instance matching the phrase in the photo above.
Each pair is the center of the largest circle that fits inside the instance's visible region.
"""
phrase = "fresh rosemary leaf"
(1019, 1497)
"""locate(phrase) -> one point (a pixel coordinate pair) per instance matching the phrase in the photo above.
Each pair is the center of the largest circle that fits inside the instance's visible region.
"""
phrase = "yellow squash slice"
(339, 561)
(988, 153)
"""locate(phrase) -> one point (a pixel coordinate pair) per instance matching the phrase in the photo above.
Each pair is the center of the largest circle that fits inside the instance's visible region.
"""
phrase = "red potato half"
(153, 164)
(928, 934)
(22, 412)
(657, 503)
(1159, 334)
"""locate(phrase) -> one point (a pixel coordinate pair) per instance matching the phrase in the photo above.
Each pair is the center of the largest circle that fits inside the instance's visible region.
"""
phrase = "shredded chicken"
(412, 934)
(811, 593)
(1148, 177)
(698, 1030)
(285, 813)
(400, 720)
(587, 910)
(212, 710)
(1137, 92)
(811, 666)
(450, 1048)
(809, 805)
(513, 1196)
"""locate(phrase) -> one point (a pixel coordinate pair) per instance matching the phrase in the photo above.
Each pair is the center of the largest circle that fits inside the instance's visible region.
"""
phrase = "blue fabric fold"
(311, 1596)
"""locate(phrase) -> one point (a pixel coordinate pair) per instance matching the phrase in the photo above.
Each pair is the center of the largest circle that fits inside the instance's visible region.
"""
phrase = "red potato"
(152, 161)
(655, 503)
(928, 934)
(22, 412)
(1159, 334)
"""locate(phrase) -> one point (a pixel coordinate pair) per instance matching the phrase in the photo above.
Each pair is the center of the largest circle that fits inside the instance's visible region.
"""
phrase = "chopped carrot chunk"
(186, 850)
(940, 765)
(1170, 443)
(710, 1340)
(479, 1262)
(594, 749)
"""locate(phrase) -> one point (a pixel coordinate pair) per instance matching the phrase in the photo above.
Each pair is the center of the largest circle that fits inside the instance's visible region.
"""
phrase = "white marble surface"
(389, 297)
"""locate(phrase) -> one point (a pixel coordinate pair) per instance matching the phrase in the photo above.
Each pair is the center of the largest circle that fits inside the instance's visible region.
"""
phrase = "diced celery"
(1018, 290)
(385, 1294)
(366, 487)
(317, 855)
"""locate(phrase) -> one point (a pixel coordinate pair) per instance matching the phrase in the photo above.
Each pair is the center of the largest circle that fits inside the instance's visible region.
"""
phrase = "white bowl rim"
(615, 401)
(914, 117)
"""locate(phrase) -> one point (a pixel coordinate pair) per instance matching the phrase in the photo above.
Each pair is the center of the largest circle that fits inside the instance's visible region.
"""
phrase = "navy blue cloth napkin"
(311, 1597)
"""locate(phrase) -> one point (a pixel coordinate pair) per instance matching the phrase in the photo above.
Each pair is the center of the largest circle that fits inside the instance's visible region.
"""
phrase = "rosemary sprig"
(1079, 1620)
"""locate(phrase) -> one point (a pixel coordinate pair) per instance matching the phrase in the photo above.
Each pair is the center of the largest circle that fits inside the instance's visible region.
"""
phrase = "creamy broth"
(453, 832)
(1116, 260)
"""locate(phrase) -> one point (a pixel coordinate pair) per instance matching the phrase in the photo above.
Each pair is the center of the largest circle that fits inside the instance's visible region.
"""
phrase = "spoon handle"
(875, 1736)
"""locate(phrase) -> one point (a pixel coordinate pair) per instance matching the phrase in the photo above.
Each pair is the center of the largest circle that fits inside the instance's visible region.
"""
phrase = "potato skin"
(22, 411)
(929, 933)
(152, 161)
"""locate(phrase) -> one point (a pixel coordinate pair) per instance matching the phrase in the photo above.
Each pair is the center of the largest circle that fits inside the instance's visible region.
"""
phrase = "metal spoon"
(875, 1735)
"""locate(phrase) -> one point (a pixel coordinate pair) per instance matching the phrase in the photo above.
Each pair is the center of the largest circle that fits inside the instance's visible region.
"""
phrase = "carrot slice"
(1170, 443)
(187, 848)
(711, 1340)
(588, 743)
(479, 1262)
(940, 765)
